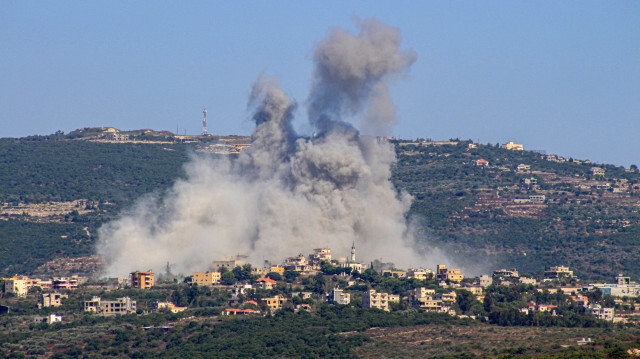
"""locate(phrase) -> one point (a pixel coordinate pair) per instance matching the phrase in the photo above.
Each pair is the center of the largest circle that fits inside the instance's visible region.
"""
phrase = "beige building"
(420, 273)
(51, 300)
(512, 146)
(371, 299)
(19, 286)
(276, 302)
(205, 278)
(453, 275)
(230, 264)
(122, 305)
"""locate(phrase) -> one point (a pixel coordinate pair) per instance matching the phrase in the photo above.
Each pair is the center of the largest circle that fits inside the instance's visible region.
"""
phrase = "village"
(302, 282)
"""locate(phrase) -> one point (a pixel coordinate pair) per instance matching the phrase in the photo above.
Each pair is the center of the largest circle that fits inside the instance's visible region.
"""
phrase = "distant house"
(235, 311)
(532, 307)
(49, 319)
(276, 302)
(523, 168)
(265, 283)
(558, 272)
(597, 171)
(482, 162)
(513, 146)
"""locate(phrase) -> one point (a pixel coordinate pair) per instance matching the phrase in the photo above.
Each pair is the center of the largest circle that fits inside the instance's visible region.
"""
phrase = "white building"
(337, 296)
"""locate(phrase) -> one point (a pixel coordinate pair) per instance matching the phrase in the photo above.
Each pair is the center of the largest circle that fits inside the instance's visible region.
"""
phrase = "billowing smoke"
(288, 194)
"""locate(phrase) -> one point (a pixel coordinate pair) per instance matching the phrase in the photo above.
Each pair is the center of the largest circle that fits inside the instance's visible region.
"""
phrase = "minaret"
(353, 253)
(204, 123)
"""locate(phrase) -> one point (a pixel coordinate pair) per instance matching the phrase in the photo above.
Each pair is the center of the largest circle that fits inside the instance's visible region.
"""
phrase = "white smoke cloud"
(287, 194)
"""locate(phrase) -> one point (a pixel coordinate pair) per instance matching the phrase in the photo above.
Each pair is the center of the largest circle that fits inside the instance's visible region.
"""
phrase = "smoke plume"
(288, 194)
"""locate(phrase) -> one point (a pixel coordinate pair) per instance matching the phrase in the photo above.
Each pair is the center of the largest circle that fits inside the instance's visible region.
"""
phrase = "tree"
(228, 278)
(465, 300)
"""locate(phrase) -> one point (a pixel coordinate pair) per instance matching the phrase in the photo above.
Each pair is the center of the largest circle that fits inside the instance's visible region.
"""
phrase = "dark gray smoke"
(288, 194)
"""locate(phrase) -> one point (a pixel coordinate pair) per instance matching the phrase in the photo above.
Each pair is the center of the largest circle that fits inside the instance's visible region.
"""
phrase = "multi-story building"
(485, 281)
(51, 300)
(320, 254)
(512, 273)
(597, 171)
(297, 264)
(65, 282)
(142, 280)
(393, 273)
(419, 273)
(265, 283)
(558, 272)
(122, 305)
(601, 312)
(337, 296)
(205, 278)
(229, 264)
(19, 286)
(425, 299)
(277, 269)
(371, 299)
(276, 302)
(453, 275)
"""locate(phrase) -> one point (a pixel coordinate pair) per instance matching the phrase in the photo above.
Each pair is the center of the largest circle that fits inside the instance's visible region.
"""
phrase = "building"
(393, 273)
(205, 278)
(485, 281)
(265, 283)
(260, 272)
(65, 282)
(277, 269)
(169, 307)
(113, 136)
(276, 302)
(532, 307)
(482, 163)
(557, 272)
(49, 319)
(337, 296)
(122, 305)
(229, 264)
(538, 198)
(142, 280)
(525, 280)
(297, 264)
(319, 255)
(512, 273)
(523, 168)
(425, 299)
(235, 311)
(51, 300)
(420, 274)
(371, 299)
(601, 312)
(444, 274)
(512, 146)
(241, 289)
(529, 183)
(597, 171)
(19, 286)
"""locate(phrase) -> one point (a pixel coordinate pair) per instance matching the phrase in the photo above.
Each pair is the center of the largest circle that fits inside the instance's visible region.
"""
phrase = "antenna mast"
(204, 123)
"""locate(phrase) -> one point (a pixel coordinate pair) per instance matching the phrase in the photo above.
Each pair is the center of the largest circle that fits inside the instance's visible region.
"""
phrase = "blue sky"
(557, 76)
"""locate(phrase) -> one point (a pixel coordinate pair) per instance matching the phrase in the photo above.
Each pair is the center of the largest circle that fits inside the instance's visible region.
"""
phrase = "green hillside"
(589, 222)
(55, 191)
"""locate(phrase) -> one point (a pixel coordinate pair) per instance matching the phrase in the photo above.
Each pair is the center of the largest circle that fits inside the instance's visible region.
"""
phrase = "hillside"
(523, 209)
(57, 190)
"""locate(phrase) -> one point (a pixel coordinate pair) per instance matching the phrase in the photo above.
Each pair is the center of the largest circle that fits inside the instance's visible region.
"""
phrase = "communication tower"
(204, 123)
